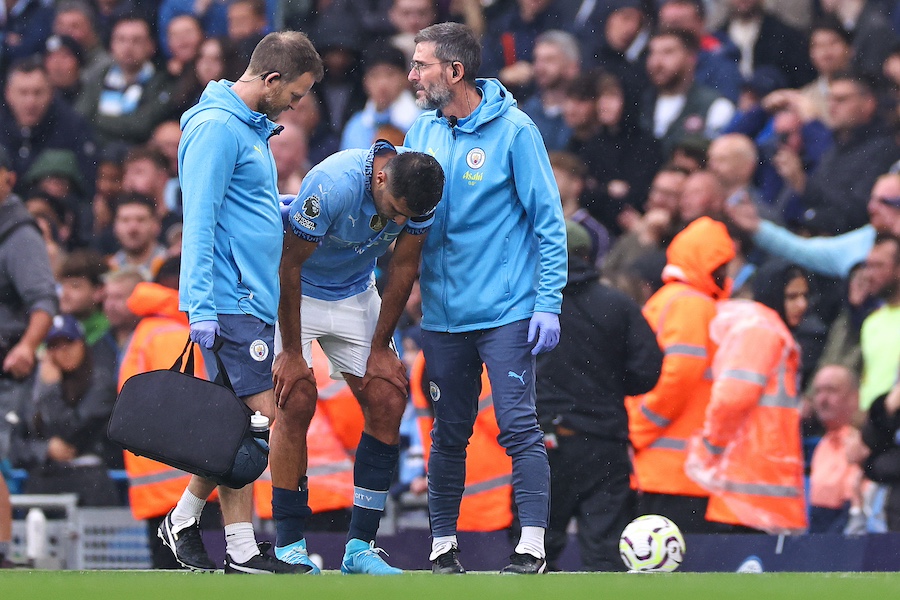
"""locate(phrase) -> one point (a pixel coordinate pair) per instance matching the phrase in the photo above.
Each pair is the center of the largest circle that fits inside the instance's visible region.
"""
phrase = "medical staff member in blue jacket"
(351, 208)
(493, 270)
(231, 249)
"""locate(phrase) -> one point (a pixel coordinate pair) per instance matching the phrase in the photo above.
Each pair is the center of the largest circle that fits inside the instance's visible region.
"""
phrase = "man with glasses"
(492, 279)
(351, 207)
(829, 256)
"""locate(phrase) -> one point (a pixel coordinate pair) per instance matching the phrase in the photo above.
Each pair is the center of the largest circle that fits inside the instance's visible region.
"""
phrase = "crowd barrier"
(76, 538)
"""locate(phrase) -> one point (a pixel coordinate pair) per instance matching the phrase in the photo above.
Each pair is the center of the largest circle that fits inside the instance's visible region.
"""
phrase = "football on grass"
(652, 543)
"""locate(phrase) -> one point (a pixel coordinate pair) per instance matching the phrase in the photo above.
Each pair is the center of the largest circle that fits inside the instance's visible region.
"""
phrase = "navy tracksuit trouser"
(454, 371)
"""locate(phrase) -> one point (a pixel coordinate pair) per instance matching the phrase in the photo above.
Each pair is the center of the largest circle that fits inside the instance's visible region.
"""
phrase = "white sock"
(532, 542)
(240, 543)
(441, 544)
(188, 507)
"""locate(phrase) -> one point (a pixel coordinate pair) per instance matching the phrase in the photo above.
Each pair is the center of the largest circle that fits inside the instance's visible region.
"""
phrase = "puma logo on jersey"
(255, 147)
(352, 220)
(515, 375)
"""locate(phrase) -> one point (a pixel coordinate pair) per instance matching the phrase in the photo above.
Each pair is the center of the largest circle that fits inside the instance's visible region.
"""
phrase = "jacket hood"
(697, 251)
(151, 299)
(495, 100)
(219, 95)
(12, 214)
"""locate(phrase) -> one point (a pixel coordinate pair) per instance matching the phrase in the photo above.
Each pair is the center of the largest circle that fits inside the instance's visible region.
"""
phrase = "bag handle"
(222, 376)
(189, 367)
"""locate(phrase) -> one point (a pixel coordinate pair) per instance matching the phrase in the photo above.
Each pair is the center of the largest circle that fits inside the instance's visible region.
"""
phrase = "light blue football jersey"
(335, 208)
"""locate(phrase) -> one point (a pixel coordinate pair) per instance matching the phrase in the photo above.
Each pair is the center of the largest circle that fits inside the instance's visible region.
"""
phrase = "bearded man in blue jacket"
(493, 271)
(231, 249)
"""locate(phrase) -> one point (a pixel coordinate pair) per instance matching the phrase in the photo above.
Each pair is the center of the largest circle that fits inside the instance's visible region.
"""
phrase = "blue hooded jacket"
(233, 233)
(497, 249)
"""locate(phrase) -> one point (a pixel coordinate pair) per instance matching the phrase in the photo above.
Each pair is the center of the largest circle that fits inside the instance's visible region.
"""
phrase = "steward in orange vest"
(750, 454)
(487, 502)
(661, 421)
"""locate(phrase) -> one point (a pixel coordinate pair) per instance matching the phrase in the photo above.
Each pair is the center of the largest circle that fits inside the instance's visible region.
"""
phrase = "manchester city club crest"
(377, 223)
(312, 208)
(434, 390)
(475, 158)
(259, 350)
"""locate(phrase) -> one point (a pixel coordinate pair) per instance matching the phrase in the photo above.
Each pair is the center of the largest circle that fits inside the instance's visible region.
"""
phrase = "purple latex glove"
(204, 333)
(546, 326)
(286, 200)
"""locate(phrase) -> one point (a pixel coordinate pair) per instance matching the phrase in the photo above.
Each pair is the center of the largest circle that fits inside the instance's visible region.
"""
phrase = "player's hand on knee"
(545, 327)
(289, 369)
(384, 364)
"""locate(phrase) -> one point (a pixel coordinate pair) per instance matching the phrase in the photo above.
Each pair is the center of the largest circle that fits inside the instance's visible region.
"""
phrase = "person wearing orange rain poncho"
(749, 454)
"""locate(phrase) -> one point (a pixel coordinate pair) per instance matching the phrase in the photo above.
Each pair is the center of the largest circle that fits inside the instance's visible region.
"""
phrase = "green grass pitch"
(421, 585)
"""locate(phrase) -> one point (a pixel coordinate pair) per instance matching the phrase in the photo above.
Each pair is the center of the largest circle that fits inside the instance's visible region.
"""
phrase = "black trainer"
(524, 564)
(185, 543)
(264, 564)
(448, 563)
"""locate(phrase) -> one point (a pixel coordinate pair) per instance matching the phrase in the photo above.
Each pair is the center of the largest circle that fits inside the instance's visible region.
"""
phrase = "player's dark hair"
(288, 53)
(417, 178)
(454, 42)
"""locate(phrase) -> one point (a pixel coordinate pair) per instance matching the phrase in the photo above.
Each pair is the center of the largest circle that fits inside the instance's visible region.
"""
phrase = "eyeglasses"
(418, 66)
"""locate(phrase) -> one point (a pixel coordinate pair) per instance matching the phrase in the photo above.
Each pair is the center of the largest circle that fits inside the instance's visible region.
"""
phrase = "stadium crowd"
(732, 167)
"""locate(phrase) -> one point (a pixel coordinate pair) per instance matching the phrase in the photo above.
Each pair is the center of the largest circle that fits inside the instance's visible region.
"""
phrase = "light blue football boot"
(361, 558)
(296, 554)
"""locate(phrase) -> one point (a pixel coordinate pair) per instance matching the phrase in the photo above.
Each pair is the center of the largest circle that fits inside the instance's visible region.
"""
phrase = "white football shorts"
(343, 328)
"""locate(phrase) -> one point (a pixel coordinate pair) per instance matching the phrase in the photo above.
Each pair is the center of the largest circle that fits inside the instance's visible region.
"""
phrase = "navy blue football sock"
(290, 509)
(372, 476)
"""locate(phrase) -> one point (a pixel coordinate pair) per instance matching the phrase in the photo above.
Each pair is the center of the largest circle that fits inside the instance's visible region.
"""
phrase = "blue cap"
(65, 327)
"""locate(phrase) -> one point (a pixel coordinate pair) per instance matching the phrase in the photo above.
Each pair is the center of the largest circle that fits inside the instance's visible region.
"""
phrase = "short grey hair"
(454, 42)
(563, 40)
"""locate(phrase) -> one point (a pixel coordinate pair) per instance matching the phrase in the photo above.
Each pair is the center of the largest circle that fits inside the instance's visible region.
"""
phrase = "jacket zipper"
(446, 221)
